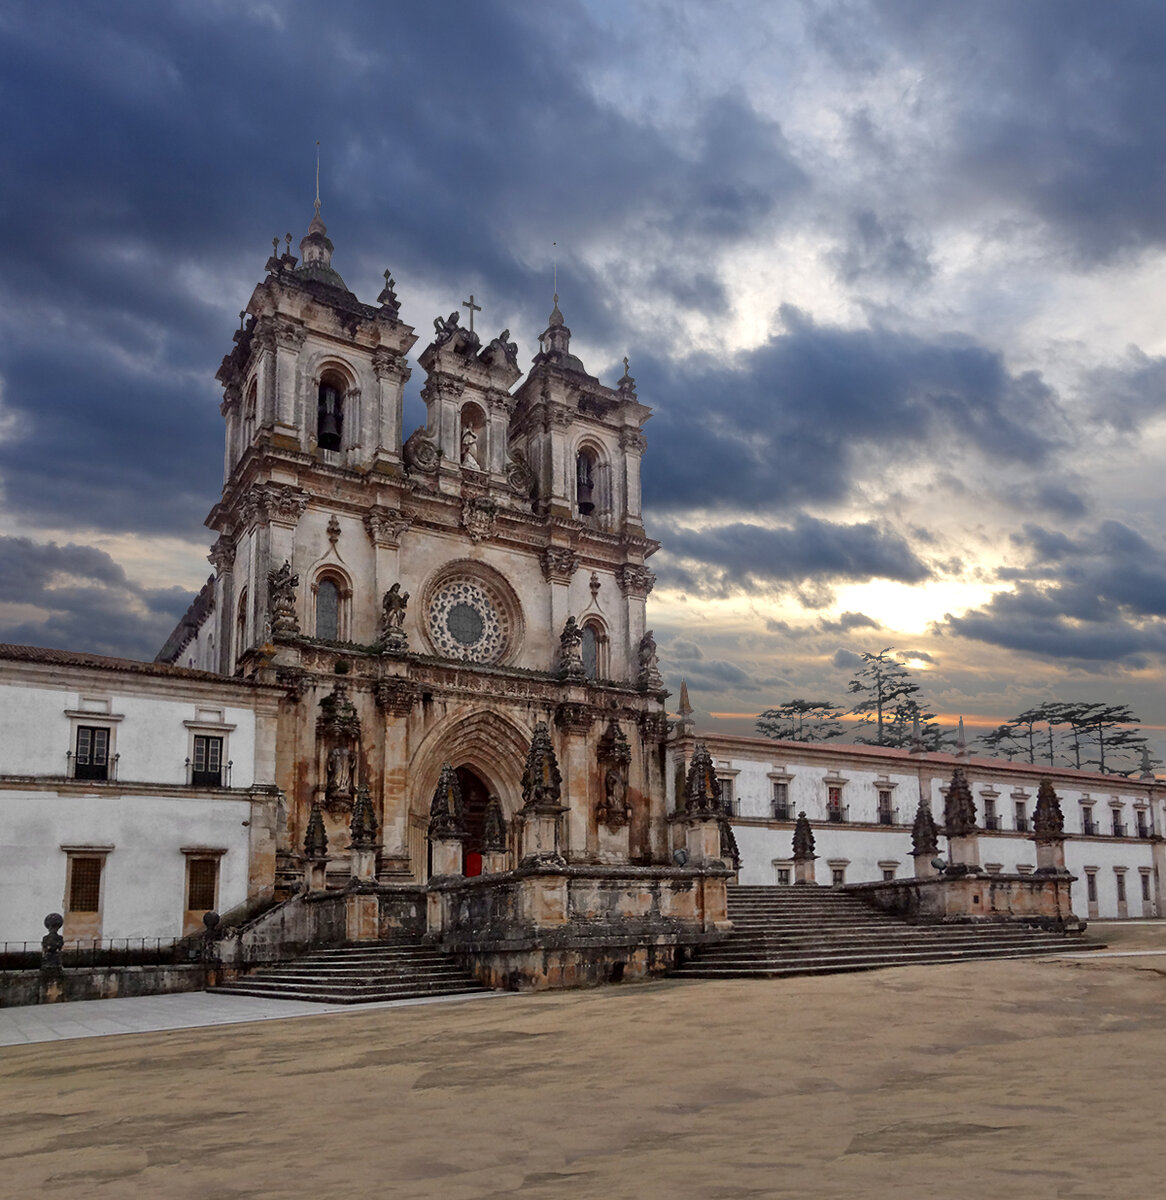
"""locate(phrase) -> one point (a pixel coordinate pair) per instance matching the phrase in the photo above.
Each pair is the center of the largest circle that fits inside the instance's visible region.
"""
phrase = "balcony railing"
(887, 816)
(1144, 831)
(992, 822)
(1089, 828)
(219, 778)
(1021, 824)
(1119, 830)
(836, 814)
(783, 812)
(84, 768)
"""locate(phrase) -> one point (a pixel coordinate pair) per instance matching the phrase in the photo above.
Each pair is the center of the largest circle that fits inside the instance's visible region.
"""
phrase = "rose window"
(466, 622)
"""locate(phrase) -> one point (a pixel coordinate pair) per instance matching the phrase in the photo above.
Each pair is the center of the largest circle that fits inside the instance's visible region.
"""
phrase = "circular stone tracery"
(466, 621)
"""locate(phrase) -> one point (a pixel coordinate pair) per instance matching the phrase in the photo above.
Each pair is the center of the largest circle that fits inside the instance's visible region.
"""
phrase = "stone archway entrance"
(474, 797)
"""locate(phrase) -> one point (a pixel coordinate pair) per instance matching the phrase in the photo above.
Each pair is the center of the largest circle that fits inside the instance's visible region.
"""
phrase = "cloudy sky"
(889, 274)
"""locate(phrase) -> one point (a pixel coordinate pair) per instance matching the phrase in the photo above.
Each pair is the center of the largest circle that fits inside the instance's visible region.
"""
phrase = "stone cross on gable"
(473, 309)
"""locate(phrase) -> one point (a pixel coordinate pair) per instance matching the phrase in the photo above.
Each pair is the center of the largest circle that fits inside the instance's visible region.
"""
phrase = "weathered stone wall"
(97, 983)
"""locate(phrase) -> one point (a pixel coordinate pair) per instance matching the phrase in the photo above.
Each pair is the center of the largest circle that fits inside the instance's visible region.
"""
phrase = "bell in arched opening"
(329, 417)
(585, 484)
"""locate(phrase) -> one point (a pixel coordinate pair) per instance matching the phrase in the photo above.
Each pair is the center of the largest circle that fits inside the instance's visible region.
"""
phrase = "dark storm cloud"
(797, 419)
(1052, 107)
(848, 621)
(150, 152)
(882, 247)
(1100, 597)
(742, 557)
(85, 600)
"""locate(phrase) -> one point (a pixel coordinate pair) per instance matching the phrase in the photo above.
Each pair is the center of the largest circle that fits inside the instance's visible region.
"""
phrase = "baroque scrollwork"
(420, 453)
(479, 517)
(634, 580)
(559, 564)
(386, 525)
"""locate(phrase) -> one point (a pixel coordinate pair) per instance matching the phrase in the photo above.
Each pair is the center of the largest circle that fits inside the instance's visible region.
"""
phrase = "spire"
(924, 832)
(1147, 775)
(685, 706)
(555, 341)
(702, 788)
(446, 815)
(316, 837)
(363, 826)
(541, 779)
(1047, 818)
(961, 742)
(916, 734)
(494, 827)
(803, 838)
(316, 249)
(959, 810)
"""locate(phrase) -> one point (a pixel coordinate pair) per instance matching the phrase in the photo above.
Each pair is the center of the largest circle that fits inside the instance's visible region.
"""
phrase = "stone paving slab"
(182, 1010)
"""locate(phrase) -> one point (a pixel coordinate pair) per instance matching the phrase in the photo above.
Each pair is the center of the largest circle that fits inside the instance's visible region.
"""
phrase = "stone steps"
(785, 931)
(359, 974)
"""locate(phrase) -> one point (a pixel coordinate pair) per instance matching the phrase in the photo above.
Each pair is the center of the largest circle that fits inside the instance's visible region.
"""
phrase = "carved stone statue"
(469, 450)
(571, 650)
(341, 762)
(391, 635)
(649, 674)
(281, 587)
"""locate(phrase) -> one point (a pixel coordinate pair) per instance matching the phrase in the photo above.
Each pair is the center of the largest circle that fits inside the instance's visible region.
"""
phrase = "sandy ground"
(1028, 1079)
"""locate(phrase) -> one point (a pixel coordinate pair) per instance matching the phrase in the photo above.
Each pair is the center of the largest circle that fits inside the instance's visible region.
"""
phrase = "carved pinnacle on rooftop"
(702, 788)
(1047, 819)
(316, 836)
(363, 826)
(959, 810)
(803, 838)
(446, 814)
(924, 831)
(541, 779)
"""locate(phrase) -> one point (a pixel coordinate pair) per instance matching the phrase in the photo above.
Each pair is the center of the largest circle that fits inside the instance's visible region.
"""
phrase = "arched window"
(330, 413)
(241, 626)
(328, 610)
(594, 647)
(585, 464)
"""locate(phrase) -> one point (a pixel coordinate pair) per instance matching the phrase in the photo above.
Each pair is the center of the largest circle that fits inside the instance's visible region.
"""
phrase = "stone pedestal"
(540, 834)
(544, 900)
(702, 840)
(363, 862)
(925, 865)
(447, 857)
(361, 912)
(613, 845)
(1050, 856)
(315, 874)
(494, 862)
(963, 854)
(804, 872)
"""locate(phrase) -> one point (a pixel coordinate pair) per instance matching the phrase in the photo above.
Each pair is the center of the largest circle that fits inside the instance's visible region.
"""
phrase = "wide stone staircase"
(359, 974)
(780, 931)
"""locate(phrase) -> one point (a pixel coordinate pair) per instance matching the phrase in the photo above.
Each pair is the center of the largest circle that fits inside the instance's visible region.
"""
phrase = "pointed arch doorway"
(475, 793)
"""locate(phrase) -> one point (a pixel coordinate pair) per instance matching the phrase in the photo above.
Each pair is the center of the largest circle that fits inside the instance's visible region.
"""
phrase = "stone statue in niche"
(571, 650)
(341, 765)
(391, 635)
(470, 450)
(649, 673)
(615, 756)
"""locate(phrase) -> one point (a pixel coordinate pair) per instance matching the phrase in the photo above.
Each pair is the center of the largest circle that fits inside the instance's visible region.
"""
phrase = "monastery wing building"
(418, 696)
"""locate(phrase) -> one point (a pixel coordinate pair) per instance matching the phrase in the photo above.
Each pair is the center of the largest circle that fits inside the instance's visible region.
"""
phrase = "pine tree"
(801, 721)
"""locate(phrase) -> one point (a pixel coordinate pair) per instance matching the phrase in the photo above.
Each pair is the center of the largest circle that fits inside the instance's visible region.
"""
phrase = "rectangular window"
(837, 876)
(781, 810)
(1143, 827)
(1121, 888)
(728, 800)
(85, 884)
(1021, 817)
(1119, 830)
(1146, 887)
(1091, 886)
(202, 880)
(1087, 826)
(783, 876)
(991, 820)
(207, 765)
(888, 874)
(886, 813)
(92, 757)
(834, 810)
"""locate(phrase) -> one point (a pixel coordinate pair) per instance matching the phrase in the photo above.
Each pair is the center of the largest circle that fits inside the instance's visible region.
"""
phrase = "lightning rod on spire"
(317, 175)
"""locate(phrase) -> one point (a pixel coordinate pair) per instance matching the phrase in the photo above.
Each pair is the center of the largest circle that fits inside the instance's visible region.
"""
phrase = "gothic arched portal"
(475, 793)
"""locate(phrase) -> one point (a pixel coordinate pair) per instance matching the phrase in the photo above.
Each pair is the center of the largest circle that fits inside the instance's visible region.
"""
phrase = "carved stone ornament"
(924, 832)
(396, 696)
(520, 477)
(274, 502)
(52, 943)
(803, 839)
(391, 633)
(633, 439)
(288, 335)
(648, 675)
(959, 809)
(559, 564)
(338, 715)
(316, 836)
(333, 529)
(479, 517)
(615, 756)
(542, 781)
(420, 453)
(362, 828)
(654, 726)
(446, 813)
(1048, 822)
(570, 660)
(634, 580)
(281, 591)
(574, 717)
(385, 525)
(702, 788)
(222, 555)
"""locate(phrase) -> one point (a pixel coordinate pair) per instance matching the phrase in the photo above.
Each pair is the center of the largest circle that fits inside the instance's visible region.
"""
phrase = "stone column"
(573, 719)
(395, 696)
(803, 854)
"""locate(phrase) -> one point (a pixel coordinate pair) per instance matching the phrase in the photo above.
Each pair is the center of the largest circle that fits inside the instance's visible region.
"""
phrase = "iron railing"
(89, 953)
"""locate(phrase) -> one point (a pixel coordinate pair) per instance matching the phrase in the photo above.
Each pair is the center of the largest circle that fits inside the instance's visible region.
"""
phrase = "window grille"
(85, 885)
(202, 878)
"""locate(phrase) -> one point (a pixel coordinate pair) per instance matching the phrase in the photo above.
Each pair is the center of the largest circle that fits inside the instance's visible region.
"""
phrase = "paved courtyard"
(1023, 1078)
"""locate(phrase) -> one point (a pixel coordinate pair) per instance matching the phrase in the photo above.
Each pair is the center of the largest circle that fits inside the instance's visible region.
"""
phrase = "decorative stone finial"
(803, 839)
(1147, 775)
(626, 384)
(541, 779)
(961, 742)
(446, 813)
(924, 832)
(916, 735)
(685, 707)
(363, 826)
(316, 836)
(702, 788)
(494, 827)
(959, 810)
(1047, 819)
(556, 317)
